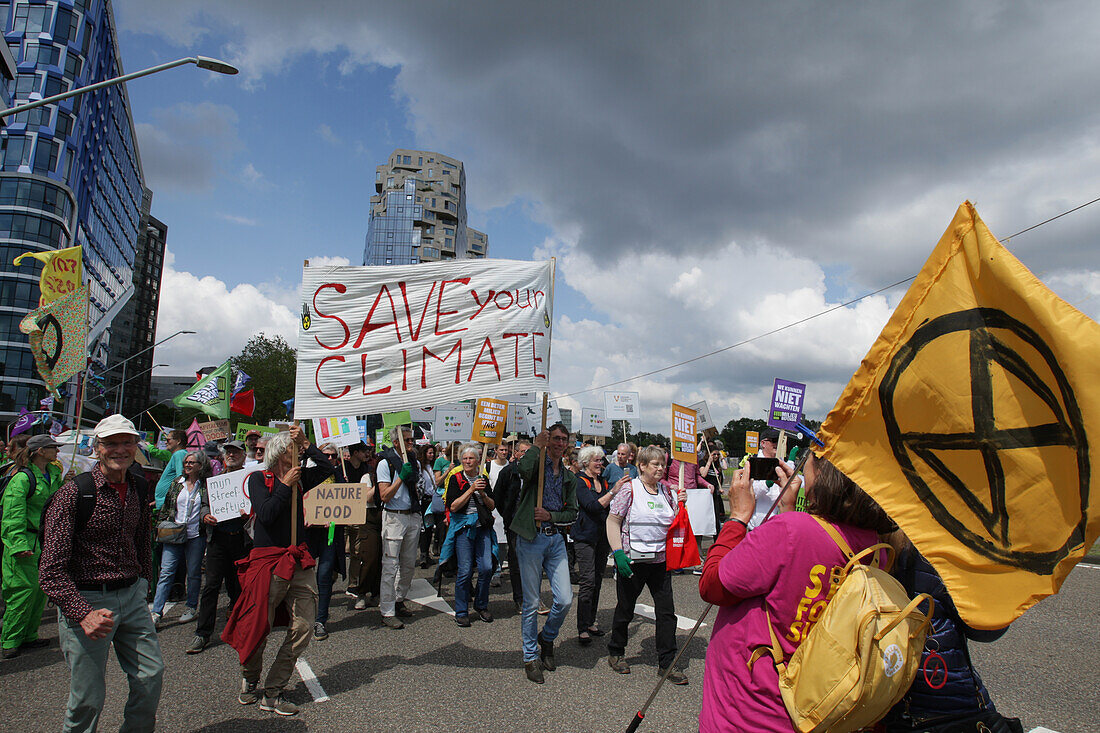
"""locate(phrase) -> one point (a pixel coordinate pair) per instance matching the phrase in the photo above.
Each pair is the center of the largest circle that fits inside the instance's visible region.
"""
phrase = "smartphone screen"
(762, 469)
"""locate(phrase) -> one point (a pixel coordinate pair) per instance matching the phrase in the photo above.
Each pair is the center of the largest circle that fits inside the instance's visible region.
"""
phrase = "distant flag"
(210, 394)
(240, 379)
(57, 427)
(244, 402)
(46, 403)
(58, 334)
(24, 422)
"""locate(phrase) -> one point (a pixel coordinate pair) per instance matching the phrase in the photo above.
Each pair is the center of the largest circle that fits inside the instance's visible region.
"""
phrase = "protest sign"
(974, 421)
(340, 431)
(243, 429)
(423, 414)
(215, 430)
(228, 493)
(786, 409)
(519, 398)
(490, 417)
(335, 504)
(752, 442)
(517, 418)
(454, 422)
(375, 339)
(594, 423)
(621, 405)
(380, 438)
(683, 434)
(700, 508)
(702, 416)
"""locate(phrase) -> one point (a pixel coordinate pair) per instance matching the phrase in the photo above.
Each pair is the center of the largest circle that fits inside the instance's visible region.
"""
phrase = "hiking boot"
(546, 654)
(188, 615)
(618, 664)
(320, 633)
(393, 622)
(534, 672)
(197, 645)
(485, 616)
(249, 692)
(463, 621)
(676, 677)
(401, 611)
(279, 705)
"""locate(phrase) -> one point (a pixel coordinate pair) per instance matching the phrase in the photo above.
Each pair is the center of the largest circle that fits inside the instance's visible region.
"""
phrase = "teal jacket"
(523, 521)
(23, 505)
(173, 469)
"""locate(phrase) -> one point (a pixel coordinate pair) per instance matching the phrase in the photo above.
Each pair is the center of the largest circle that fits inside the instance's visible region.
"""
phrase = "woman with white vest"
(637, 531)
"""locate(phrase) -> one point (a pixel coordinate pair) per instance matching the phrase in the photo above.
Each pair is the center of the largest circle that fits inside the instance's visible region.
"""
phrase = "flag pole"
(542, 456)
(79, 417)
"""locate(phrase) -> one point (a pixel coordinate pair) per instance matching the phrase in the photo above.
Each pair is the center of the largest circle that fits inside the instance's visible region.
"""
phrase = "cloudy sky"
(704, 172)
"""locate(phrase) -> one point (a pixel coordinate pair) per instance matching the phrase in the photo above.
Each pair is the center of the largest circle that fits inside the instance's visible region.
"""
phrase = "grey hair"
(469, 448)
(278, 445)
(205, 469)
(587, 453)
(622, 445)
(397, 435)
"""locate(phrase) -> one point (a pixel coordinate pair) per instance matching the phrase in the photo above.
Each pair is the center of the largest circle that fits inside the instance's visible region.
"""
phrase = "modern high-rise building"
(134, 329)
(418, 213)
(70, 174)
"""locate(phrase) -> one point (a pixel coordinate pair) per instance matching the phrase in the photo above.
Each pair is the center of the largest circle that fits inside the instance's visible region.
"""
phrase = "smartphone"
(762, 469)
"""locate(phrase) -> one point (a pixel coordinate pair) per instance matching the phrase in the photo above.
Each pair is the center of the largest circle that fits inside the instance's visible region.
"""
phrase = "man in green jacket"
(37, 478)
(540, 545)
(173, 458)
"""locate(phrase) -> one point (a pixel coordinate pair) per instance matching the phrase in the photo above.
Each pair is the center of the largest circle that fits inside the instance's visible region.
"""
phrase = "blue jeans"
(473, 543)
(544, 553)
(170, 559)
(326, 570)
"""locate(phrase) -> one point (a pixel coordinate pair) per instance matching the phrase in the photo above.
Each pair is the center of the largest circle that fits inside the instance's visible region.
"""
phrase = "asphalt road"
(435, 676)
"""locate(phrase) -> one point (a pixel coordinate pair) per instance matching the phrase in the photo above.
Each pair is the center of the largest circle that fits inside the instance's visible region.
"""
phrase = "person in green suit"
(37, 478)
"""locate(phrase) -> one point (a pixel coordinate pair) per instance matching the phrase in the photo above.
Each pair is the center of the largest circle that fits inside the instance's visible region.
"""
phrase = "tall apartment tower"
(418, 212)
(70, 174)
(134, 329)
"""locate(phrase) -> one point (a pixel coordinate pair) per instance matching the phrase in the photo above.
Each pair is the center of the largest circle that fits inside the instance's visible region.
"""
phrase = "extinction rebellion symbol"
(1001, 349)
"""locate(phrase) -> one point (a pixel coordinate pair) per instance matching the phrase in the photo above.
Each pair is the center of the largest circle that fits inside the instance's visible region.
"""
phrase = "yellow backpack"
(861, 656)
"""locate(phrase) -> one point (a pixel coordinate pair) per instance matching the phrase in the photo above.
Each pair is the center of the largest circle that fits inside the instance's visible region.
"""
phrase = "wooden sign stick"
(294, 494)
(542, 457)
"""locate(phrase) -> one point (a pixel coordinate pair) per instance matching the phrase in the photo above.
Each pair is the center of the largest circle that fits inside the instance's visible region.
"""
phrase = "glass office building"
(69, 174)
(418, 212)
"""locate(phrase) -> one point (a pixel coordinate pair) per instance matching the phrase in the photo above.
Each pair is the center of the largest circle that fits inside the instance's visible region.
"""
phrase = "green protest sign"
(243, 428)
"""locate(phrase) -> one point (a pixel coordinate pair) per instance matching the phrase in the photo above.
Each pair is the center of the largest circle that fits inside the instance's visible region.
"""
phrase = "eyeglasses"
(330, 455)
(260, 451)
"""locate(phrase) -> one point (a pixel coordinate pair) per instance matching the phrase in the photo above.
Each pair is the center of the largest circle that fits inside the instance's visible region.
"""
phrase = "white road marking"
(1090, 566)
(1041, 729)
(422, 592)
(314, 687)
(682, 622)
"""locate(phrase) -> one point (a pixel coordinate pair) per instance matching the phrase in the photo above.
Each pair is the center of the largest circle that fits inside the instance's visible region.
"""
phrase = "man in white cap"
(96, 567)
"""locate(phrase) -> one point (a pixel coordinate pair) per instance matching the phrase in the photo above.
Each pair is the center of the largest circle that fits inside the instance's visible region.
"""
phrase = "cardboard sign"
(490, 418)
(228, 493)
(340, 431)
(336, 504)
(377, 339)
(786, 409)
(683, 434)
(702, 416)
(243, 428)
(700, 508)
(594, 423)
(621, 405)
(454, 422)
(752, 442)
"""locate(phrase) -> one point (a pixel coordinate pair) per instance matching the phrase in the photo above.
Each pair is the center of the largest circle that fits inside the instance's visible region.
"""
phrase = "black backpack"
(4, 481)
(86, 496)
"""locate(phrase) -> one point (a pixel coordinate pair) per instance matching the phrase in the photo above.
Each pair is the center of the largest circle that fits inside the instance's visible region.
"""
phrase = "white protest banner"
(594, 423)
(423, 414)
(340, 431)
(702, 416)
(520, 398)
(553, 415)
(379, 339)
(621, 405)
(453, 422)
(700, 506)
(517, 418)
(229, 494)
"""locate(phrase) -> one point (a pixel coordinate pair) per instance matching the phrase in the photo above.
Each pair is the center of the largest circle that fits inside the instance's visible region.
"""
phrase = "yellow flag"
(62, 272)
(969, 422)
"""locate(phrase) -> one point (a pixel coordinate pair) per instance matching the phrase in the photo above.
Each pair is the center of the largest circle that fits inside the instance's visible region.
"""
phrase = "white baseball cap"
(114, 425)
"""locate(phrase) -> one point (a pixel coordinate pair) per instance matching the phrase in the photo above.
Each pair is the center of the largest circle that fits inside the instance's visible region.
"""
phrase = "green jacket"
(23, 505)
(523, 521)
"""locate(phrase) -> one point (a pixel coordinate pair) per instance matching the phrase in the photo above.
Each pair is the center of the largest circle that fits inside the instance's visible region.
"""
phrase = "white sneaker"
(188, 614)
(156, 619)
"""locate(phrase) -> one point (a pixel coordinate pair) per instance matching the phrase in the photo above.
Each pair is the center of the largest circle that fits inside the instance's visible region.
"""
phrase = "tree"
(271, 362)
(733, 435)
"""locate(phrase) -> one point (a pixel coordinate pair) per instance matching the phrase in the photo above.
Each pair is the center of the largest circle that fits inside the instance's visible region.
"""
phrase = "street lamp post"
(118, 400)
(132, 356)
(203, 62)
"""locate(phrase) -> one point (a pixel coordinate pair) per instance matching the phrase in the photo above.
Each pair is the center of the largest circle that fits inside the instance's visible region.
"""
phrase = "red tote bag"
(681, 550)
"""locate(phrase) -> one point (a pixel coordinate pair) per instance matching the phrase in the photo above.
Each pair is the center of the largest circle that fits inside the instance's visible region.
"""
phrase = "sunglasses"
(330, 455)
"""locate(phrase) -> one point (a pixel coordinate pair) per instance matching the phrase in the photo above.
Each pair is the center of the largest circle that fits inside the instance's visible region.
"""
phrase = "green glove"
(622, 563)
(407, 472)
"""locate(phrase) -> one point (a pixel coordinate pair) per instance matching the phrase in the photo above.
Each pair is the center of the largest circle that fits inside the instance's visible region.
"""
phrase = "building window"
(420, 161)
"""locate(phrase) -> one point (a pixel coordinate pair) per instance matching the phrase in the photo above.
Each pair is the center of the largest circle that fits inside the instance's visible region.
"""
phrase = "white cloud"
(243, 220)
(251, 175)
(328, 135)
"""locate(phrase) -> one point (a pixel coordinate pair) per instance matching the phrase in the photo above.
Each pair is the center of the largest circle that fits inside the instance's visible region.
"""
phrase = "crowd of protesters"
(87, 542)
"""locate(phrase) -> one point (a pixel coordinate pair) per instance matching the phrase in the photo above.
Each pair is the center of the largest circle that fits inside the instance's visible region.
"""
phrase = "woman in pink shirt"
(782, 567)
